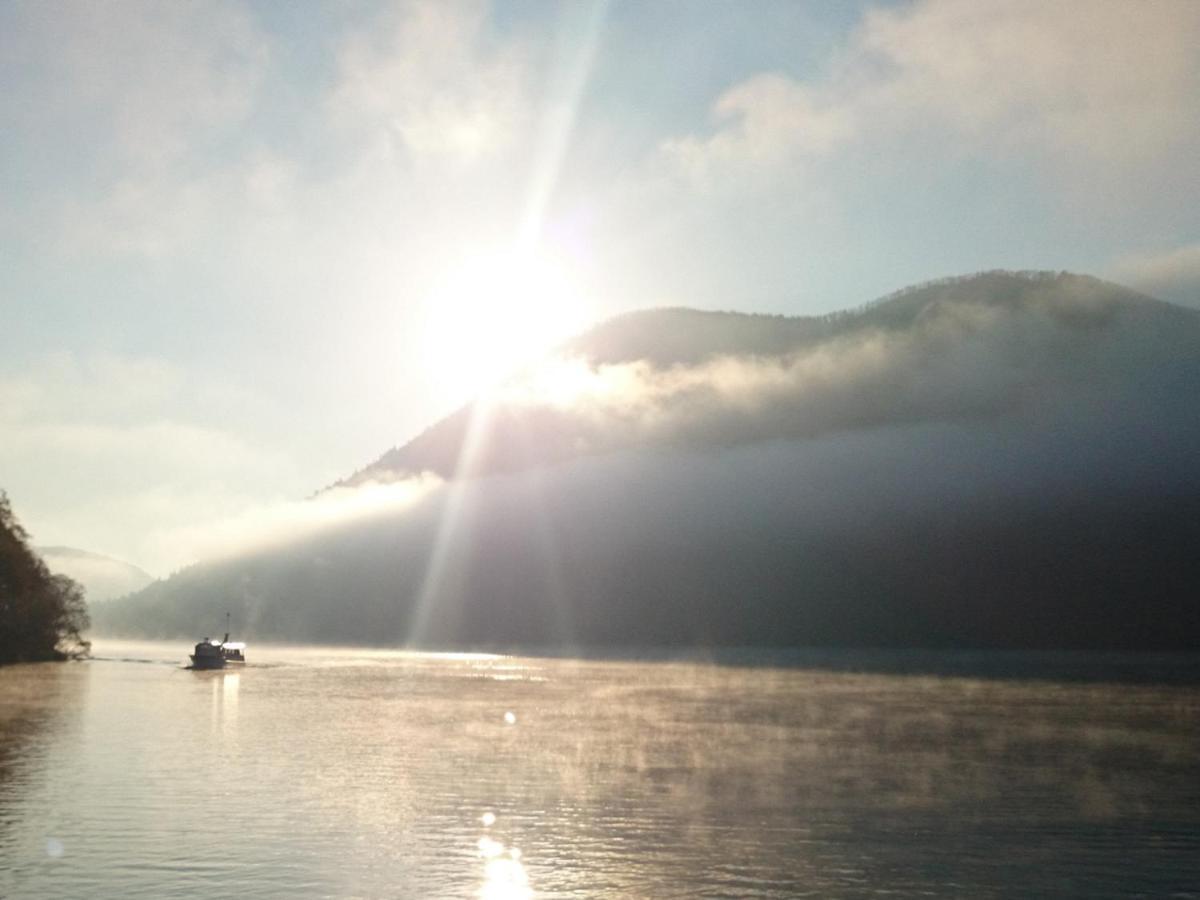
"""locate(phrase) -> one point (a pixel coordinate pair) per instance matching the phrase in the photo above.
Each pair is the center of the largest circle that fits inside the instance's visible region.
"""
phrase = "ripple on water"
(344, 773)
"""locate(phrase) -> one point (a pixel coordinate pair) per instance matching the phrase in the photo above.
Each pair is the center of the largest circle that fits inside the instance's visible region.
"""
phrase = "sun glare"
(497, 312)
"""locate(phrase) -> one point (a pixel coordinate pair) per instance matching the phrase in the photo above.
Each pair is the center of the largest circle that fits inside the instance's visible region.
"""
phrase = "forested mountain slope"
(1001, 460)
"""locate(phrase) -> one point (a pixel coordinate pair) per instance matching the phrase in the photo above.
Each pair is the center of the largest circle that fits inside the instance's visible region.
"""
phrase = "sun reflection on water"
(224, 701)
(504, 877)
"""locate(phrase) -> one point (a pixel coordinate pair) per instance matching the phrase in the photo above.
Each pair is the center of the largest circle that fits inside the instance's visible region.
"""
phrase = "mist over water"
(317, 772)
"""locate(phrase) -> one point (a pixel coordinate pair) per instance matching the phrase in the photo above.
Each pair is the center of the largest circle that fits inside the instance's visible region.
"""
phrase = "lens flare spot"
(510, 718)
(488, 819)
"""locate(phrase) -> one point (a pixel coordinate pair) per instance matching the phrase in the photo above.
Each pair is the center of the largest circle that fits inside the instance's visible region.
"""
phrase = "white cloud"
(1096, 85)
(408, 147)
(767, 121)
(141, 106)
(425, 84)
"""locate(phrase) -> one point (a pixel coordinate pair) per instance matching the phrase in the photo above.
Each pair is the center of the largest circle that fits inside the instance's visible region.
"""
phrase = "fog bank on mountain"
(1004, 460)
(999, 345)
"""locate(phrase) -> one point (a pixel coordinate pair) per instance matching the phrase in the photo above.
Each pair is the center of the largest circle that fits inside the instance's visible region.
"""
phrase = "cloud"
(1169, 275)
(132, 113)
(1104, 86)
(766, 121)
(425, 83)
(403, 151)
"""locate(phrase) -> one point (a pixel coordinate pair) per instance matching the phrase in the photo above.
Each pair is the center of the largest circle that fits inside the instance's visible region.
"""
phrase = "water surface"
(349, 773)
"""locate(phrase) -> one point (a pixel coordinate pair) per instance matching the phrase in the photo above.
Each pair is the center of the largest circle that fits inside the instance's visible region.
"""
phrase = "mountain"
(102, 577)
(956, 349)
(999, 460)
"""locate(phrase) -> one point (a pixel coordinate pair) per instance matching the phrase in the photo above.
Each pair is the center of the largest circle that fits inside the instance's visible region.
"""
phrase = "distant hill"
(102, 577)
(998, 460)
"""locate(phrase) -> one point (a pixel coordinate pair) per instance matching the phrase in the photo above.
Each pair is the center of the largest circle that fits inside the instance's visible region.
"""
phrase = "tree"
(42, 616)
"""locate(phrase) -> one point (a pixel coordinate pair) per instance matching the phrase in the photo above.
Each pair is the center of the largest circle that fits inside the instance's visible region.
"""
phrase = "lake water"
(349, 773)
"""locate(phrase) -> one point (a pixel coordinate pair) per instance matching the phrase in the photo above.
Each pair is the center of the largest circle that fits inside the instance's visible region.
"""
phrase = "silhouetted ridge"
(668, 337)
(674, 336)
(1062, 293)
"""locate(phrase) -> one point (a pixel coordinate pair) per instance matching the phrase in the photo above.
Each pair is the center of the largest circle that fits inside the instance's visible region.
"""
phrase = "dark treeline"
(42, 615)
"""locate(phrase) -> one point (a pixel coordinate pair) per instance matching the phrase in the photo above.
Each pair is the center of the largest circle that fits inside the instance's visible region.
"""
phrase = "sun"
(498, 311)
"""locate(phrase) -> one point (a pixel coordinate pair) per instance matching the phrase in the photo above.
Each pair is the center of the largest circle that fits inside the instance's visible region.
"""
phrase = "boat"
(213, 654)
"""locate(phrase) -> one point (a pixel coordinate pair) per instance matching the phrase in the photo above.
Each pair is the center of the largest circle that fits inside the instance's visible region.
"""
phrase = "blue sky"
(227, 229)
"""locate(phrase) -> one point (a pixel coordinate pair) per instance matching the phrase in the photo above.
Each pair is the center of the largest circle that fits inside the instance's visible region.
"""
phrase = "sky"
(247, 247)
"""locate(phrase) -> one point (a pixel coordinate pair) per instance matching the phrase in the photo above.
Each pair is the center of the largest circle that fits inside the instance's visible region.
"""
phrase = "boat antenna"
(226, 627)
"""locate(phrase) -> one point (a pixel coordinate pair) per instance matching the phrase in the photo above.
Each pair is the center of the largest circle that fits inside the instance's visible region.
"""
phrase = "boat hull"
(210, 654)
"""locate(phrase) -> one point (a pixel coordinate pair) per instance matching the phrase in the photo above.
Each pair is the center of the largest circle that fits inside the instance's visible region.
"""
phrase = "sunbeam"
(448, 524)
(517, 304)
(578, 47)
